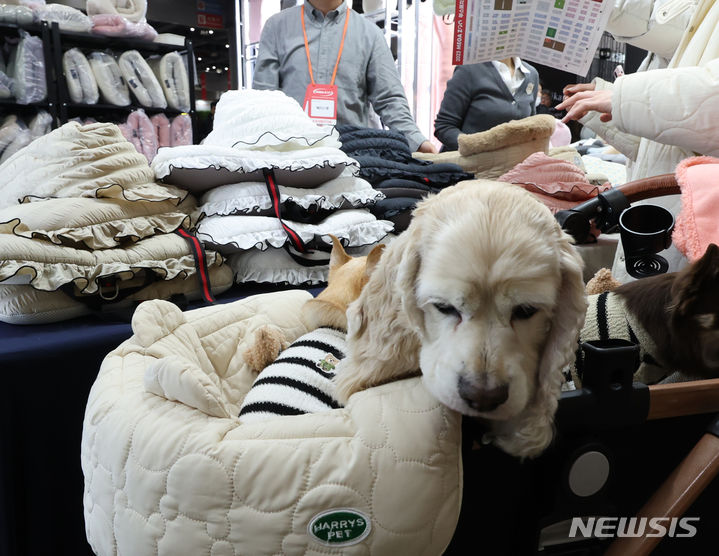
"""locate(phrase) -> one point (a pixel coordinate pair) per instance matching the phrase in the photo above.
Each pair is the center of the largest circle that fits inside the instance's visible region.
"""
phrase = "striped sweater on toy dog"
(299, 381)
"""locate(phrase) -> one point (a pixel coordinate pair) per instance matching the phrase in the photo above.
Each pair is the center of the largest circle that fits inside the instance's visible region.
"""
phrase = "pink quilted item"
(697, 224)
(114, 25)
(559, 184)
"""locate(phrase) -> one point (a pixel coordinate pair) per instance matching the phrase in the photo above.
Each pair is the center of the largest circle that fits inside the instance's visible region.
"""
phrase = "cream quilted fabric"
(94, 223)
(81, 161)
(169, 469)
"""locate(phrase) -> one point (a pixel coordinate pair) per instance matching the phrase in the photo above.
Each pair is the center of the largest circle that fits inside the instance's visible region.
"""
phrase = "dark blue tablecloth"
(47, 372)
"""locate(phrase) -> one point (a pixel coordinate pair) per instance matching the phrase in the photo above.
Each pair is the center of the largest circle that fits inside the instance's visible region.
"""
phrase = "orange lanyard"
(307, 46)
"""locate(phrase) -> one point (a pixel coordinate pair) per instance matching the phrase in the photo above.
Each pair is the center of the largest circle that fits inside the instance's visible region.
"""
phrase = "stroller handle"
(606, 207)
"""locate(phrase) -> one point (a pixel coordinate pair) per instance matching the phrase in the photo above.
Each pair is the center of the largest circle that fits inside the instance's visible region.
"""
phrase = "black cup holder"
(645, 231)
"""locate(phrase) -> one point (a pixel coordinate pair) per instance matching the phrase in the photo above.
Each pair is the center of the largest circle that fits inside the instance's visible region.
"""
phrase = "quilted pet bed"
(171, 72)
(91, 160)
(256, 131)
(170, 469)
(164, 262)
(299, 205)
(233, 234)
(81, 83)
(141, 79)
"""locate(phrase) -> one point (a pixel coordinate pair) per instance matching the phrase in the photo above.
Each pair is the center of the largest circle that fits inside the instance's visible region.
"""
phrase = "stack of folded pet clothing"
(386, 162)
(561, 185)
(274, 187)
(90, 231)
(489, 154)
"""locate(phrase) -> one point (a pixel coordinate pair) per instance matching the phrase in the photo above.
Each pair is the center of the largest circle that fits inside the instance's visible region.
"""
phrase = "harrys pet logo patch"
(339, 527)
(328, 363)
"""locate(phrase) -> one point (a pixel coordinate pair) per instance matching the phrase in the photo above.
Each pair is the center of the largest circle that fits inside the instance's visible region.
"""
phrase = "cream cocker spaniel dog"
(484, 293)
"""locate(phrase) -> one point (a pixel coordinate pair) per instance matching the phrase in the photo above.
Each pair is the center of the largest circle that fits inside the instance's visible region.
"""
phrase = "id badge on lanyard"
(321, 104)
(321, 100)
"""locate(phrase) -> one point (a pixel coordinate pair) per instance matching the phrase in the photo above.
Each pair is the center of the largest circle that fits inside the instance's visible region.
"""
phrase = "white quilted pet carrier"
(171, 470)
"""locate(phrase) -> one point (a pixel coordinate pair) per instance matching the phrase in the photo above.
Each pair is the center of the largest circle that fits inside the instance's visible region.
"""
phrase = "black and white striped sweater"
(299, 381)
(607, 317)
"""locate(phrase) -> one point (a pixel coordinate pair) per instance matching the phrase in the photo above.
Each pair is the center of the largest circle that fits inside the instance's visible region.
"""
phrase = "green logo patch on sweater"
(328, 363)
(339, 527)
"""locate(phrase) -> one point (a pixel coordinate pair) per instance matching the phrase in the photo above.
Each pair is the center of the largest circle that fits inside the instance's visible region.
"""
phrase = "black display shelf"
(42, 30)
(105, 107)
(64, 40)
(96, 42)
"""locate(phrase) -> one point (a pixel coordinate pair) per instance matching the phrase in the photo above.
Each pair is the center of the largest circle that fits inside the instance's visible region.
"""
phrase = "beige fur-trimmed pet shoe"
(489, 154)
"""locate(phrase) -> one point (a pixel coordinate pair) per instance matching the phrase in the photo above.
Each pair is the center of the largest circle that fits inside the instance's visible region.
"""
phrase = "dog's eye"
(523, 312)
(447, 309)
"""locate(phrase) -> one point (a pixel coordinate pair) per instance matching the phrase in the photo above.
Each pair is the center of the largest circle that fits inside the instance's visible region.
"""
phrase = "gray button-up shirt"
(366, 71)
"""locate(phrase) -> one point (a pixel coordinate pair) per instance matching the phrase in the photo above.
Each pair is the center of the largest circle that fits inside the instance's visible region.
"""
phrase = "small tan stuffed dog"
(347, 277)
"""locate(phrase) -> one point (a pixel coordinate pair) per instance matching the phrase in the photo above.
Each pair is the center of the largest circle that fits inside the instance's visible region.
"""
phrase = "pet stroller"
(624, 451)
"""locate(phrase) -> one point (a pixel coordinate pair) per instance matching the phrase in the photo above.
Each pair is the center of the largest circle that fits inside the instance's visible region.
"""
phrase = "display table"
(47, 372)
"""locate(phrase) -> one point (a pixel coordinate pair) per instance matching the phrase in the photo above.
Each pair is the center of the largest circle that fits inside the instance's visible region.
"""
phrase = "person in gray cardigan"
(481, 96)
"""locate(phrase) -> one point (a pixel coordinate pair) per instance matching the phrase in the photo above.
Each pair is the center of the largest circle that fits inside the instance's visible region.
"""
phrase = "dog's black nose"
(483, 398)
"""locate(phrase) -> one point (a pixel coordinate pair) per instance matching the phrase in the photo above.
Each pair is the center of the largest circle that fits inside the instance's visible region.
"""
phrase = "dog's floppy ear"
(407, 281)
(376, 314)
(338, 256)
(532, 431)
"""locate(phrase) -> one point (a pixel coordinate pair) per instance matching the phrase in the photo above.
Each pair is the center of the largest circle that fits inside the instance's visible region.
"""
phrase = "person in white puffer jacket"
(659, 117)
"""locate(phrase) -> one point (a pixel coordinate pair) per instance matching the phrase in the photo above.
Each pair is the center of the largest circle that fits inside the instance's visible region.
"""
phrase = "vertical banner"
(460, 20)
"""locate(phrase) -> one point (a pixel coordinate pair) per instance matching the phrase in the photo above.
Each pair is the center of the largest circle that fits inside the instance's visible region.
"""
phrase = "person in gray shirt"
(366, 72)
(481, 96)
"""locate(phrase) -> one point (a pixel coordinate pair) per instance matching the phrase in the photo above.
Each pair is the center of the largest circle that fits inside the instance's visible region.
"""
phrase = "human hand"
(427, 147)
(579, 104)
(574, 88)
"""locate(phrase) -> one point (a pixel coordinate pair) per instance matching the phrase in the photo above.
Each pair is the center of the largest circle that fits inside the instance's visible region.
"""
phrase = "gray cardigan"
(477, 99)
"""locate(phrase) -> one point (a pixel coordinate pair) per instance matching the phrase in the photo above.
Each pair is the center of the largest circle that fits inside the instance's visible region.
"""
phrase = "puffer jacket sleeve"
(637, 22)
(675, 106)
(625, 143)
